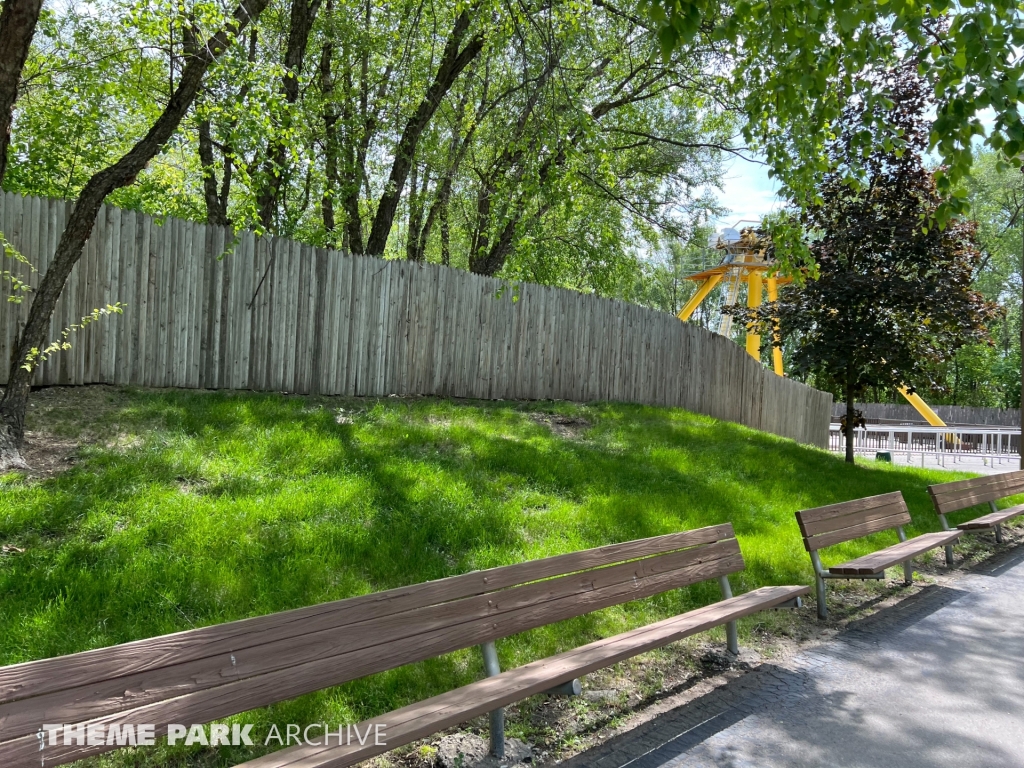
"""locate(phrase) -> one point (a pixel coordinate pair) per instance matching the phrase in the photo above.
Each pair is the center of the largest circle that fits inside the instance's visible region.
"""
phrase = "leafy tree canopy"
(796, 64)
(893, 299)
(562, 151)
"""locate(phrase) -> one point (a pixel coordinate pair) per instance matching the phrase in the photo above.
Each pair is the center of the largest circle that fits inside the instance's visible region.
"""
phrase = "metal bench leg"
(570, 689)
(820, 589)
(949, 547)
(998, 527)
(732, 638)
(908, 566)
(492, 668)
(819, 585)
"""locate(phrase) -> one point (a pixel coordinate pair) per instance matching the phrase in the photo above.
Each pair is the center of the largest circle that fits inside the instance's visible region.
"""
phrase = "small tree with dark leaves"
(892, 296)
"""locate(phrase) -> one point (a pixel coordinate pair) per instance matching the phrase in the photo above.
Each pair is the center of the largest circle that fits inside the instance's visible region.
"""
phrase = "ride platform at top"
(746, 261)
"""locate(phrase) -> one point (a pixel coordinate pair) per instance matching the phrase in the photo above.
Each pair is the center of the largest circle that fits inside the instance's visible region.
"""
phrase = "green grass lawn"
(186, 509)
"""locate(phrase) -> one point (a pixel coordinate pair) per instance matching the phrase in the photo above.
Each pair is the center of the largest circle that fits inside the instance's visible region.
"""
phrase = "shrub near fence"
(208, 309)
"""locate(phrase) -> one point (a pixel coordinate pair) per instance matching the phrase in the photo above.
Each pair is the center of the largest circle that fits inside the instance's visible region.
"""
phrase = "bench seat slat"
(878, 561)
(454, 707)
(329, 669)
(47, 675)
(523, 606)
(992, 519)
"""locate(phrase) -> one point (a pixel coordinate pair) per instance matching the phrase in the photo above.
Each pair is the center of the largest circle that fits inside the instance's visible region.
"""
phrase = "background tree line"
(549, 142)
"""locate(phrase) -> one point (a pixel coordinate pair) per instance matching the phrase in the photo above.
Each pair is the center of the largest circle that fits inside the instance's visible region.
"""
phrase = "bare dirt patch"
(48, 455)
(61, 420)
(568, 427)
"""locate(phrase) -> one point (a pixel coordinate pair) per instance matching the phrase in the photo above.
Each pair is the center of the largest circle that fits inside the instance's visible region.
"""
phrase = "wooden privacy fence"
(206, 308)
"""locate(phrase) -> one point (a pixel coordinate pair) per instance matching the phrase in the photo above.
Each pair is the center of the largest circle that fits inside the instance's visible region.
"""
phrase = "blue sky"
(747, 192)
(750, 194)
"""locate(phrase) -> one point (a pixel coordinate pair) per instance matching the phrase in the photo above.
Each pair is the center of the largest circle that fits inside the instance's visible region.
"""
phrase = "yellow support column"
(773, 295)
(702, 291)
(923, 408)
(754, 300)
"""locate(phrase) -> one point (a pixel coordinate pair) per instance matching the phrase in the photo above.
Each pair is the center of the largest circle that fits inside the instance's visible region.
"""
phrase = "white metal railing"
(991, 444)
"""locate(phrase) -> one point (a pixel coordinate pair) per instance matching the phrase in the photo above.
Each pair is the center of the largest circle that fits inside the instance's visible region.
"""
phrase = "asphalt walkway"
(936, 680)
(964, 463)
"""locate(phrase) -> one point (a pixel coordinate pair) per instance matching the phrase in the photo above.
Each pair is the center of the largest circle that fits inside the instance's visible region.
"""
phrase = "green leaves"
(892, 299)
(18, 286)
(37, 355)
(791, 250)
(968, 53)
(573, 178)
(679, 22)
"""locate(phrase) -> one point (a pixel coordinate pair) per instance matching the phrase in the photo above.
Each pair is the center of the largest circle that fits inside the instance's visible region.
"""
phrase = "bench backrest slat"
(961, 494)
(848, 520)
(270, 661)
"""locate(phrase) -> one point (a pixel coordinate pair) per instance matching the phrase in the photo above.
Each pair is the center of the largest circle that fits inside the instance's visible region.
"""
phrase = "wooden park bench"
(963, 494)
(836, 523)
(214, 672)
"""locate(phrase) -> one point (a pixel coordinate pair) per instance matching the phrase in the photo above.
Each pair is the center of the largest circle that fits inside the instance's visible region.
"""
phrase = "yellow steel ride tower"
(745, 262)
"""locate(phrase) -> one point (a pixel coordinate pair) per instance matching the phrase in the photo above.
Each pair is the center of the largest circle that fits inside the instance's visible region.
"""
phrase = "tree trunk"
(80, 224)
(416, 242)
(446, 238)
(491, 262)
(486, 258)
(489, 258)
(442, 194)
(216, 211)
(360, 117)
(488, 254)
(330, 118)
(17, 28)
(850, 416)
(452, 63)
(301, 24)
(354, 156)
(216, 200)
(412, 225)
